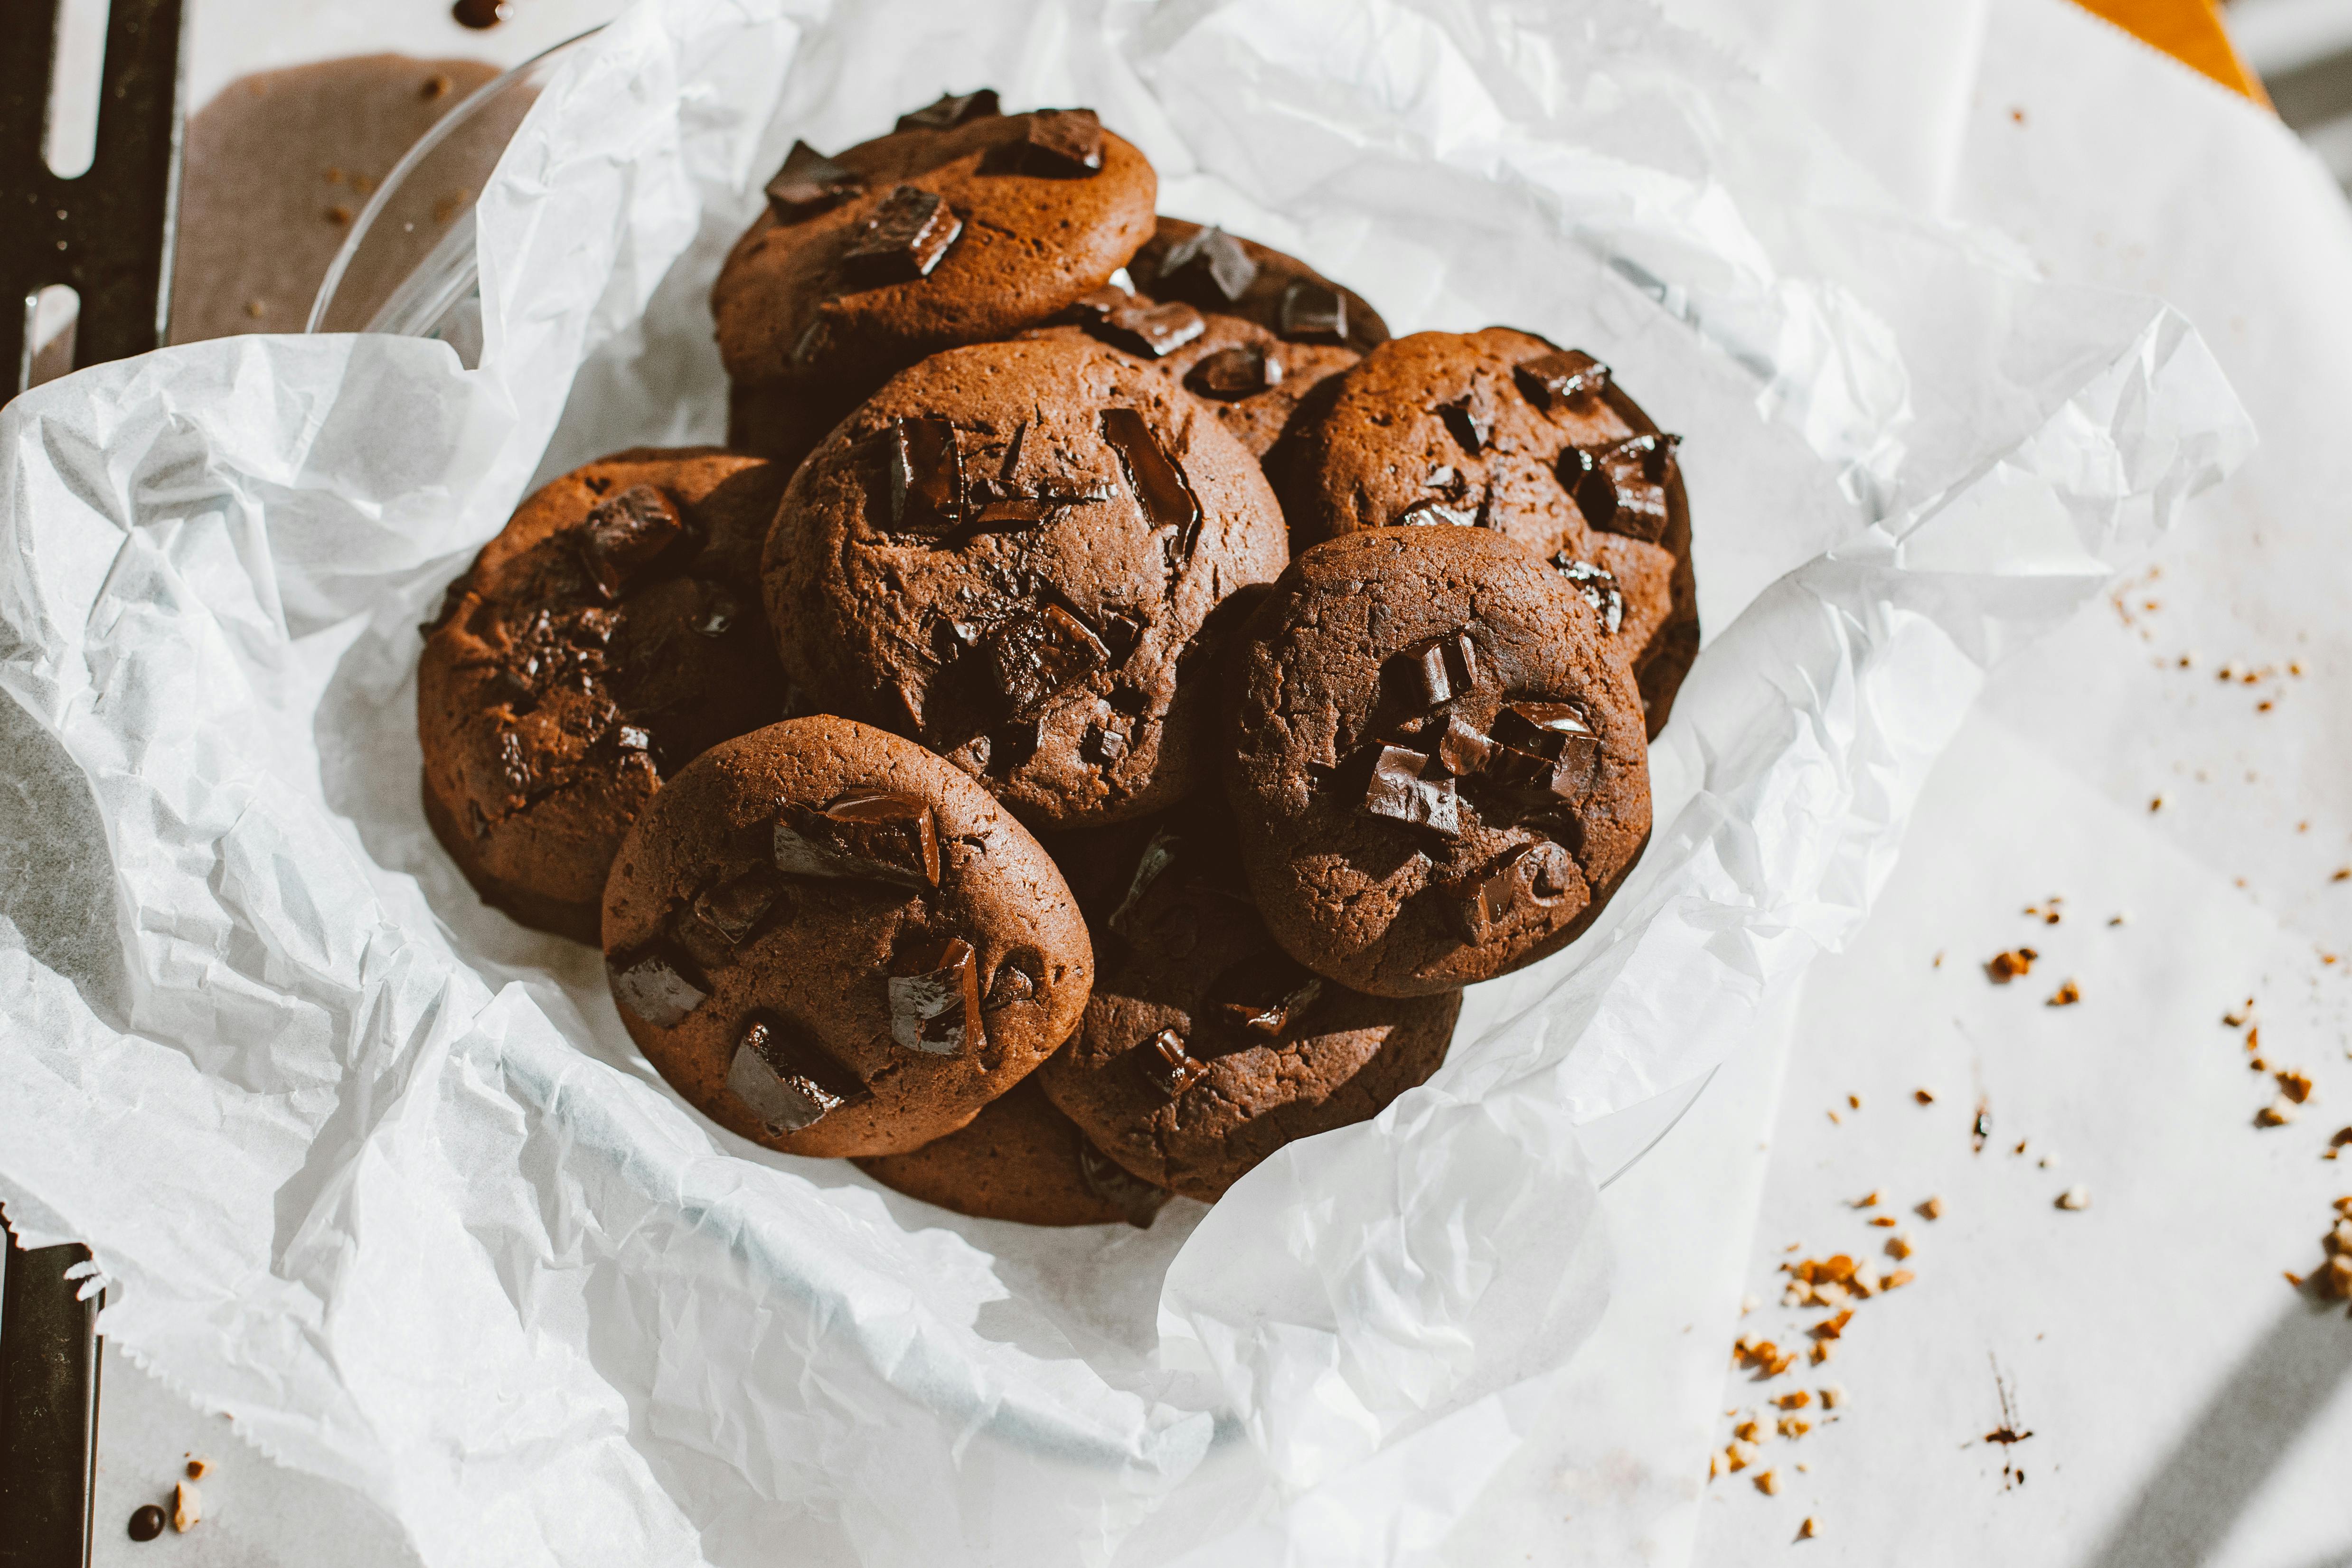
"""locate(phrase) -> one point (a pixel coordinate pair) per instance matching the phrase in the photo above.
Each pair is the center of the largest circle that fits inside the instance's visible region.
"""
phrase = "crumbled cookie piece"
(1934, 1207)
(2003, 967)
(2075, 1198)
(2067, 994)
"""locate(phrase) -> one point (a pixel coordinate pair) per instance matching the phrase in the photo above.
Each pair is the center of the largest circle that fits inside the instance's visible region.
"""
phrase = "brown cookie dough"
(1439, 771)
(1212, 270)
(1020, 1159)
(831, 942)
(963, 226)
(612, 631)
(1206, 1047)
(1499, 428)
(1014, 553)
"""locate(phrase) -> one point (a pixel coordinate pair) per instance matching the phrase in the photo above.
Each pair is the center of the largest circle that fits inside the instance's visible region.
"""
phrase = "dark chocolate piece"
(902, 240)
(1439, 669)
(873, 836)
(1599, 587)
(625, 535)
(1469, 421)
(951, 109)
(927, 485)
(656, 984)
(1155, 330)
(1456, 745)
(718, 613)
(1526, 881)
(734, 907)
(1262, 996)
(1016, 980)
(1557, 380)
(1430, 513)
(1313, 310)
(1621, 487)
(1160, 486)
(1039, 656)
(1209, 259)
(1102, 745)
(1061, 143)
(147, 1522)
(1231, 374)
(808, 183)
(1017, 514)
(1170, 1068)
(786, 1078)
(1402, 789)
(937, 1008)
(1555, 731)
(1136, 1199)
(1122, 630)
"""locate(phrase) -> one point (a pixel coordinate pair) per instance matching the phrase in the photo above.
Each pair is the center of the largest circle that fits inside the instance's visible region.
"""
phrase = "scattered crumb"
(1714, 1466)
(449, 206)
(1821, 1349)
(254, 308)
(2067, 994)
(2075, 1198)
(2254, 1038)
(1897, 1279)
(1811, 1529)
(2117, 919)
(2236, 1018)
(2048, 1162)
(1900, 1244)
(1885, 1221)
(1870, 1199)
(334, 175)
(2277, 1113)
(197, 1468)
(1734, 1458)
(1932, 1209)
(1796, 1400)
(2017, 117)
(1746, 1305)
(2295, 1085)
(1853, 1102)
(187, 1507)
(2292, 1278)
(1833, 1396)
(1836, 1118)
(1939, 960)
(1768, 1483)
(340, 216)
(2021, 1146)
(1831, 1328)
(2343, 1136)
(2003, 967)
(2155, 803)
(1749, 1431)
(437, 85)
(1794, 1426)
(1924, 1096)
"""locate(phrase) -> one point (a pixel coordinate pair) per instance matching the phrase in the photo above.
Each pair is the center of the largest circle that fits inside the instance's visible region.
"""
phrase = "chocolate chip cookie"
(1206, 1047)
(1439, 769)
(962, 226)
(1210, 269)
(1015, 553)
(1020, 1159)
(831, 942)
(1501, 430)
(612, 631)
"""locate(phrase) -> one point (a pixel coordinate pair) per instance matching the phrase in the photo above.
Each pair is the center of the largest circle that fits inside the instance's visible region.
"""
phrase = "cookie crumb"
(2236, 1017)
(187, 1507)
(340, 216)
(2277, 1113)
(1853, 1102)
(1749, 1431)
(254, 308)
(1897, 1279)
(1870, 1199)
(1768, 1483)
(1833, 1396)
(1810, 1530)
(1822, 1350)
(1794, 1426)
(437, 85)
(197, 1468)
(1900, 1244)
(2065, 995)
(1932, 1209)
(2075, 1198)
(2335, 1279)
(1735, 1458)
(2155, 803)
(2294, 1084)
(2003, 967)
(1885, 1221)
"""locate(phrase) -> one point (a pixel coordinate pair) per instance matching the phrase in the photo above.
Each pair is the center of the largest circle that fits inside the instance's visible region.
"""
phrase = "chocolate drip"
(1264, 995)
(1159, 483)
(1168, 1065)
(1469, 421)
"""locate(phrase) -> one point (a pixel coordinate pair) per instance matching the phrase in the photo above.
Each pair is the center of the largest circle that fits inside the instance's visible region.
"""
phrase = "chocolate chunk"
(1102, 745)
(1060, 142)
(626, 534)
(1262, 996)
(658, 984)
(1430, 513)
(927, 485)
(1122, 630)
(1556, 380)
(1039, 656)
(786, 1078)
(1017, 514)
(718, 613)
(1621, 487)
(1156, 331)
(1018, 980)
(1521, 884)
(1469, 421)
(1160, 486)
(874, 836)
(1167, 1064)
(808, 183)
(1136, 1199)
(1522, 765)
(1456, 745)
(735, 907)
(949, 111)
(1211, 259)
(1439, 669)
(1402, 789)
(1599, 587)
(902, 240)
(1557, 731)
(1313, 310)
(1231, 374)
(633, 737)
(936, 1008)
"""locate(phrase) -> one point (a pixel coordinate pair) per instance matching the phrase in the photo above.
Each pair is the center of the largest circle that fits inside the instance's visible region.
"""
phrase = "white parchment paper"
(378, 1173)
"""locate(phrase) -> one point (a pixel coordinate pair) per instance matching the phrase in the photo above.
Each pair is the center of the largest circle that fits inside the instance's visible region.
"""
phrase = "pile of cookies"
(1102, 705)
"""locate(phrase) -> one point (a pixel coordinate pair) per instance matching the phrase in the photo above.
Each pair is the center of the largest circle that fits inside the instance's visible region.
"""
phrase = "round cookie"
(1016, 553)
(1501, 430)
(831, 943)
(609, 633)
(962, 226)
(1020, 1159)
(1212, 270)
(1439, 771)
(1206, 1048)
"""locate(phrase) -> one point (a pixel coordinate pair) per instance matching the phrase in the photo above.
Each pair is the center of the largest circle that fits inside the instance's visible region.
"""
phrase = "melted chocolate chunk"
(1060, 143)
(733, 909)
(1403, 788)
(718, 614)
(1599, 587)
(867, 836)
(808, 183)
(1313, 310)
(625, 535)
(1018, 979)
(1544, 749)
(1038, 657)
(1169, 1066)
(1136, 1199)
(936, 1008)
(1439, 669)
(658, 984)
(1469, 421)
(1456, 745)
(1559, 379)
(1160, 486)
(1122, 630)
(927, 485)
(903, 239)
(1210, 260)
(1519, 887)
(1621, 487)
(949, 111)
(1428, 512)
(1156, 331)
(1263, 996)
(786, 1078)
(1231, 374)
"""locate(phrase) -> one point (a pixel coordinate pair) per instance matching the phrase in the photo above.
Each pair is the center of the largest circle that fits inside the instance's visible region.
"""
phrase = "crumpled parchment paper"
(378, 1173)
